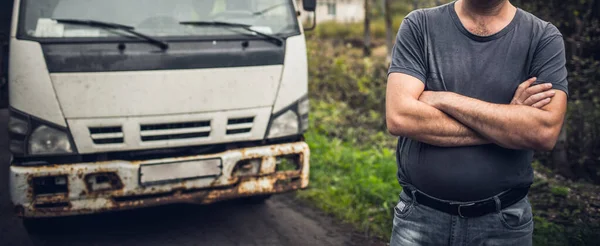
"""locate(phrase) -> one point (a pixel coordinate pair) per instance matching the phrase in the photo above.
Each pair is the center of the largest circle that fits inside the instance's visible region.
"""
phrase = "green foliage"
(353, 31)
(286, 164)
(348, 90)
(337, 120)
(356, 184)
(560, 191)
(547, 233)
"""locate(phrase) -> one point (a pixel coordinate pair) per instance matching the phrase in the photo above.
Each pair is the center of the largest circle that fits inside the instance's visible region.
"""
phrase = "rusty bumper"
(81, 191)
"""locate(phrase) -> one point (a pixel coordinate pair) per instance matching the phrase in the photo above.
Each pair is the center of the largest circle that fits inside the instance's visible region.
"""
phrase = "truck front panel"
(102, 119)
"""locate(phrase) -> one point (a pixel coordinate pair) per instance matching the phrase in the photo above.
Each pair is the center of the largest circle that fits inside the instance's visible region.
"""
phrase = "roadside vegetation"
(353, 169)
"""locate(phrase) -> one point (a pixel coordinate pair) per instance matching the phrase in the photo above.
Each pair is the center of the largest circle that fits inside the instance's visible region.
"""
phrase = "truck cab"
(124, 104)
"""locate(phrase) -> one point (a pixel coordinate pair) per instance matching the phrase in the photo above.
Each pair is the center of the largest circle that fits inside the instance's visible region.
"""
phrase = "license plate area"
(166, 172)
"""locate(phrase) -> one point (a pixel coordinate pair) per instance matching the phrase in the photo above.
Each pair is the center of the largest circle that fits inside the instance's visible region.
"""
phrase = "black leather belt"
(471, 210)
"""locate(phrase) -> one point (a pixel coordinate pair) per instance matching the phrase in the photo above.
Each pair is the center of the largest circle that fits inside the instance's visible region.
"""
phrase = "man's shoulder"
(539, 27)
(428, 14)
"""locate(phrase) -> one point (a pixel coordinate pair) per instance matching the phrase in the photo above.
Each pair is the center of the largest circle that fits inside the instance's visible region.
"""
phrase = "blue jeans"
(416, 224)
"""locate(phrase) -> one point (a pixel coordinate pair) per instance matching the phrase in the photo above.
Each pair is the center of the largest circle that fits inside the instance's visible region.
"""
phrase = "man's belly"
(467, 173)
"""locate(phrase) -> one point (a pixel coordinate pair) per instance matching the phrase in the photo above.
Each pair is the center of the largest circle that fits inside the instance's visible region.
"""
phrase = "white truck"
(121, 104)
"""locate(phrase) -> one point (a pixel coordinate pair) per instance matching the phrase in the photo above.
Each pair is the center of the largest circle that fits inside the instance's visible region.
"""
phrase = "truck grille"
(95, 135)
(172, 131)
(107, 135)
(239, 125)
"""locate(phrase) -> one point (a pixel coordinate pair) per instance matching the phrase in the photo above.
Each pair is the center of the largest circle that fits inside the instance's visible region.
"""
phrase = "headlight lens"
(284, 125)
(46, 140)
(303, 108)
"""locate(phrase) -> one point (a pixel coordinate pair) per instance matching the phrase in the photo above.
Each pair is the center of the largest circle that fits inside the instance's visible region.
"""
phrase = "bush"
(350, 91)
(357, 185)
(354, 31)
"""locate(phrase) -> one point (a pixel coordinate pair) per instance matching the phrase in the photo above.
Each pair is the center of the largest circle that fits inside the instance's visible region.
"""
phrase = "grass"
(358, 185)
(560, 191)
(547, 233)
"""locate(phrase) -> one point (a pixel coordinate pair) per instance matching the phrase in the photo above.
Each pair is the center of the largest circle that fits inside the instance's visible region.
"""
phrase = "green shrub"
(357, 185)
(560, 190)
(353, 31)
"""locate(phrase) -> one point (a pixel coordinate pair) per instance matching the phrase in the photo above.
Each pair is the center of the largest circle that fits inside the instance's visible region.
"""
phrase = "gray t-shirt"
(433, 46)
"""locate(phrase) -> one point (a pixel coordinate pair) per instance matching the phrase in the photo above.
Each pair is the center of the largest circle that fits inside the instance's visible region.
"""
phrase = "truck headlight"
(303, 108)
(284, 125)
(18, 129)
(293, 120)
(47, 140)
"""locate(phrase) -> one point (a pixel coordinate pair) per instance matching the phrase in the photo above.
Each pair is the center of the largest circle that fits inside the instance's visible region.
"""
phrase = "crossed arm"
(532, 121)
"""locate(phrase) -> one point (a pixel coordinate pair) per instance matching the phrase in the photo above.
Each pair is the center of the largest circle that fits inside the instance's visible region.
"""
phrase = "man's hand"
(536, 96)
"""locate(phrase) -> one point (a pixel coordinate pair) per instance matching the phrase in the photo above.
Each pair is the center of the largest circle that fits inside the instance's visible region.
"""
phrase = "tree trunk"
(367, 29)
(388, 30)
(438, 2)
(415, 4)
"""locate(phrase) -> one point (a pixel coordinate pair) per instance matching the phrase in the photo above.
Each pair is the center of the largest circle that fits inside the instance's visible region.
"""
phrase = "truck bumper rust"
(85, 188)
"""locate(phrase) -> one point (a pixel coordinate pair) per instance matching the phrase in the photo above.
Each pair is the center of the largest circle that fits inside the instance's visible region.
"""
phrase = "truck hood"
(160, 92)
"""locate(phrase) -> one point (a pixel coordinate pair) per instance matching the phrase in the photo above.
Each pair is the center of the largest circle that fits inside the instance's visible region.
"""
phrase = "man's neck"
(484, 7)
(485, 17)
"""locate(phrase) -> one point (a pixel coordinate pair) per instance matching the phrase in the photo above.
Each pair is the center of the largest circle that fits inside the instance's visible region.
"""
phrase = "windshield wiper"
(129, 29)
(267, 9)
(276, 40)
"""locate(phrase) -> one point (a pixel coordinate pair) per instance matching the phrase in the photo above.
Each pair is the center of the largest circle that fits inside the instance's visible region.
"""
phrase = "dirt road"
(280, 221)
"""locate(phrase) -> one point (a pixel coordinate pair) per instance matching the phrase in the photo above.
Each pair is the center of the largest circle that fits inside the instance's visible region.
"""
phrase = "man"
(467, 125)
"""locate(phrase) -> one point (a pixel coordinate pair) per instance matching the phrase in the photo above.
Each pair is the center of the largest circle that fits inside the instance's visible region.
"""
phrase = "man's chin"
(485, 4)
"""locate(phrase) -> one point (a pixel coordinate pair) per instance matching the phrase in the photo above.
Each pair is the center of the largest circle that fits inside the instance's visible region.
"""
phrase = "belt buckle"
(462, 206)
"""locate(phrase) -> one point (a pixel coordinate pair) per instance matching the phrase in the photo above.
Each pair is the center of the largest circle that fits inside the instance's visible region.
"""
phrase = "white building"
(336, 10)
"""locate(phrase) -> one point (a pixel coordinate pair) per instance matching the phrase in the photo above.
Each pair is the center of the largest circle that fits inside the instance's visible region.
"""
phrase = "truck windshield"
(159, 18)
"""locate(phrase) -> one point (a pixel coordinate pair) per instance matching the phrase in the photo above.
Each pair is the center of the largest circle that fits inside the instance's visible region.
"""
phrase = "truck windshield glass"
(160, 18)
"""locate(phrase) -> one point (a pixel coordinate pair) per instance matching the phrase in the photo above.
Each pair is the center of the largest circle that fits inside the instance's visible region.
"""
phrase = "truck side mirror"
(309, 5)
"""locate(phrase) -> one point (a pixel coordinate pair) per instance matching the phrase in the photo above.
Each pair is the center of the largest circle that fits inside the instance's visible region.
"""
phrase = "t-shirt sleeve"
(408, 54)
(549, 61)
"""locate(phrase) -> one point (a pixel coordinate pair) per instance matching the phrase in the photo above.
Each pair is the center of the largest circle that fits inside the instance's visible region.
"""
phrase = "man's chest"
(490, 71)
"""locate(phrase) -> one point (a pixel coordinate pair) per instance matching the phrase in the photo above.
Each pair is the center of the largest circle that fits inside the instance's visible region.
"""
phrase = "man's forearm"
(510, 126)
(427, 124)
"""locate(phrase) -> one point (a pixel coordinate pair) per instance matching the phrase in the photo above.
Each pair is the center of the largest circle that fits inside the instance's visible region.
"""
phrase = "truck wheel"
(256, 199)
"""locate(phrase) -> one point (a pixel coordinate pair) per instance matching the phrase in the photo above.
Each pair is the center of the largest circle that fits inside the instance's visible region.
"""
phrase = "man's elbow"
(546, 139)
(396, 125)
